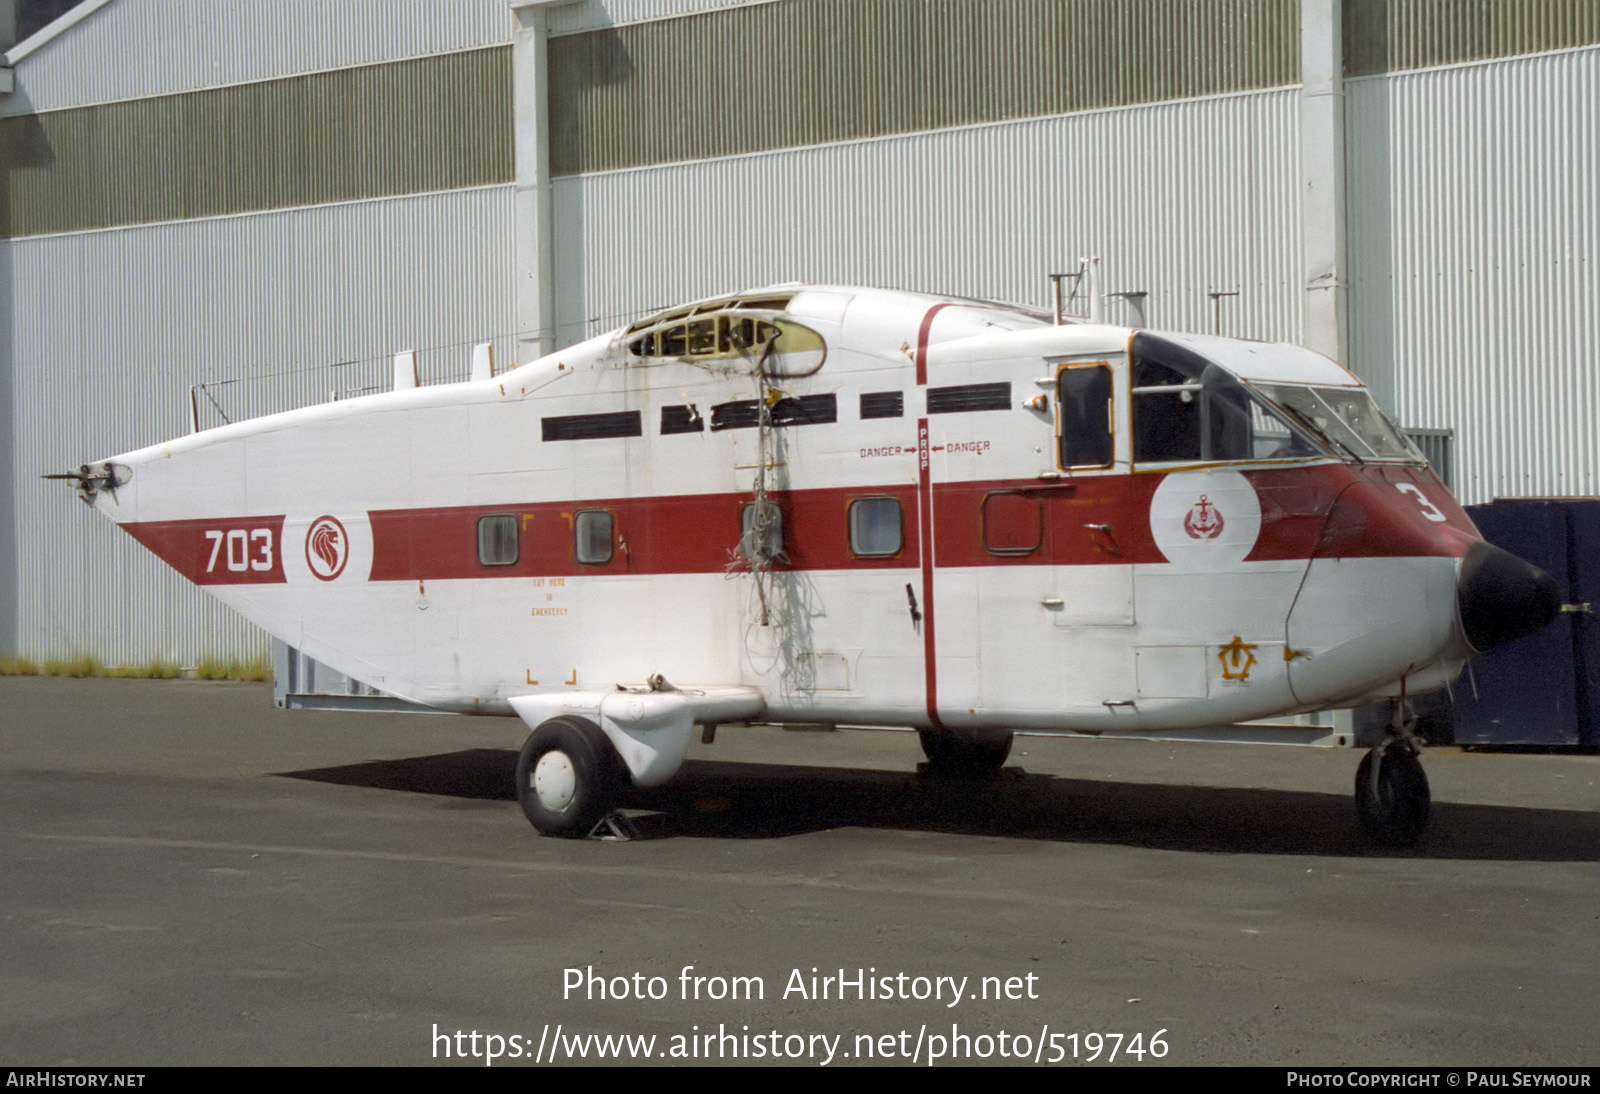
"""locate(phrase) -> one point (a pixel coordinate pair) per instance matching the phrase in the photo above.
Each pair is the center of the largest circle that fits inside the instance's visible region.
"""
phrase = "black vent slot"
(805, 410)
(953, 400)
(883, 404)
(681, 419)
(580, 427)
(802, 410)
(745, 414)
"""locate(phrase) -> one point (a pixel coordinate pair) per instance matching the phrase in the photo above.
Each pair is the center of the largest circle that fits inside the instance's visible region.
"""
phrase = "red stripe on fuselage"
(684, 534)
(926, 539)
(922, 341)
(217, 550)
(925, 534)
(1370, 518)
(699, 533)
(1343, 511)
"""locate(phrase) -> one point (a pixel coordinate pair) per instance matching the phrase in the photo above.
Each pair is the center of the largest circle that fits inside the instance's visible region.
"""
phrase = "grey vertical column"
(9, 577)
(530, 113)
(1322, 181)
(1322, 195)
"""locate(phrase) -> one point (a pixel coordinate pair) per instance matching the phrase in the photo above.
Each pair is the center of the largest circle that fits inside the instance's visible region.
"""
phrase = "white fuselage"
(1022, 594)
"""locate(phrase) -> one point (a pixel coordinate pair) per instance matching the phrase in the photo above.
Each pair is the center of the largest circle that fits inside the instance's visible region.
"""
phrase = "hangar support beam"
(530, 119)
(1322, 181)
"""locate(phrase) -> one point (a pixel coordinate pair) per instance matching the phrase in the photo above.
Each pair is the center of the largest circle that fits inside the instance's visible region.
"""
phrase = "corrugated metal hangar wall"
(264, 205)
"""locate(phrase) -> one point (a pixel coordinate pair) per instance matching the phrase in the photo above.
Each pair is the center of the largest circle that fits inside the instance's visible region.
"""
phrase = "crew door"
(1094, 582)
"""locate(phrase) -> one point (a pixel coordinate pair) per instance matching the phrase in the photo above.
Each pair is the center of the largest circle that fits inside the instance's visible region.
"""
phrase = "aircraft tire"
(1396, 814)
(959, 757)
(568, 777)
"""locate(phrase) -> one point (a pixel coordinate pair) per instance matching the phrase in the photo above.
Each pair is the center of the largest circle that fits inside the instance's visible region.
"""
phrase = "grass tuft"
(150, 670)
(232, 668)
(81, 665)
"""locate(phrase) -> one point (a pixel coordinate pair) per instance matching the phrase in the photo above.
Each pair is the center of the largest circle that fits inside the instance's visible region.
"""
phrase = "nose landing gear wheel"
(568, 777)
(1392, 795)
(959, 757)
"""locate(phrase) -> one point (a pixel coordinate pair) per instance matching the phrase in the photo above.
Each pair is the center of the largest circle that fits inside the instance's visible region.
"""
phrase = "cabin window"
(761, 532)
(577, 427)
(681, 419)
(702, 337)
(883, 404)
(964, 397)
(1013, 523)
(497, 539)
(1087, 427)
(876, 527)
(592, 536)
(708, 336)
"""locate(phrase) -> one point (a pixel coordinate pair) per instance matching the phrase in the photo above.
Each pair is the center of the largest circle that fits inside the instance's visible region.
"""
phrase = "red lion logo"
(1204, 521)
(327, 548)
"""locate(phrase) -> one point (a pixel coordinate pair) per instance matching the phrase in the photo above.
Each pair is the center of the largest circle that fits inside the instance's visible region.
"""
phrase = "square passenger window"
(875, 527)
(497, 539)
(592, 539)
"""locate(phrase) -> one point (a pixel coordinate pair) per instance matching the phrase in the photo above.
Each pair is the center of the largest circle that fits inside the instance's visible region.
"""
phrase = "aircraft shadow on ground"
(723, 800)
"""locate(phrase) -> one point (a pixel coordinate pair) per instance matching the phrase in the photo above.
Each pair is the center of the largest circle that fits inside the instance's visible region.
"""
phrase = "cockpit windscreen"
(1187, 408)
(1345, 419)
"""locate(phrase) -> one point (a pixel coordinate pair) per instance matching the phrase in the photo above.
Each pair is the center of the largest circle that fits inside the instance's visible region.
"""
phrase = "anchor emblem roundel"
(327, 548)
(1205, 519)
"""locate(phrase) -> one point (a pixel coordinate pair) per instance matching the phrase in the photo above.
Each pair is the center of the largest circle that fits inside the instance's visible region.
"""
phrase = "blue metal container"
(1543, 689)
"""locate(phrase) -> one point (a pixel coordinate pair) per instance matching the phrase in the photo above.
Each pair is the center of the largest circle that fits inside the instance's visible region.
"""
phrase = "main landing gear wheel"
(1392, 795)
(963, 757)
(568, 777)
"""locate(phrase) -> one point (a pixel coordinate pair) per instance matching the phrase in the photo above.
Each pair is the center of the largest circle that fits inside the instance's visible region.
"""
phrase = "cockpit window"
(1345, 419)
(1189, 409)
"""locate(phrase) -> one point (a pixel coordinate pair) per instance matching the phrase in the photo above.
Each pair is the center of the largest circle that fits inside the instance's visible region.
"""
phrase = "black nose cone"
(1502, 597)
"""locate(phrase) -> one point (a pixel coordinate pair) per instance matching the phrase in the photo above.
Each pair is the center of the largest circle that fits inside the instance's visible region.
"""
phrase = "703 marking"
(248, 549)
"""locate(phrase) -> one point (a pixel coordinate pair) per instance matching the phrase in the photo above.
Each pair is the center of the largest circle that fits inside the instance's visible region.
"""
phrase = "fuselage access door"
(1093, 580)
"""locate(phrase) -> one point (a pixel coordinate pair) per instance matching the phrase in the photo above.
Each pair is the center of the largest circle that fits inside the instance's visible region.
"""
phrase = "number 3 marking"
(261, 539)
(1428, 508)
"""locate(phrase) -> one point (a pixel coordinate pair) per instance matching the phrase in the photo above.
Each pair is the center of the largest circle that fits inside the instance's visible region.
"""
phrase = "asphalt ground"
(189, 876)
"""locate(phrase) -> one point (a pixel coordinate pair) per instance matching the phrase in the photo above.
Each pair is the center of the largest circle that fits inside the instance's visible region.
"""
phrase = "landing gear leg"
(1391, 790)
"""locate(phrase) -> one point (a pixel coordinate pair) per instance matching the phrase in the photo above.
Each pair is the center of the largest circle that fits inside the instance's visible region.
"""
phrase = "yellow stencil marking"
(1238, 658)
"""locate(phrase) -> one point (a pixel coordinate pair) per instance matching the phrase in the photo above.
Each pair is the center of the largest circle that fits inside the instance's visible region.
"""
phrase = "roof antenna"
(1091, 275)
(405, 369)
(482, 367)
(1135, 301)
(1216, 296)
(1055, 285)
